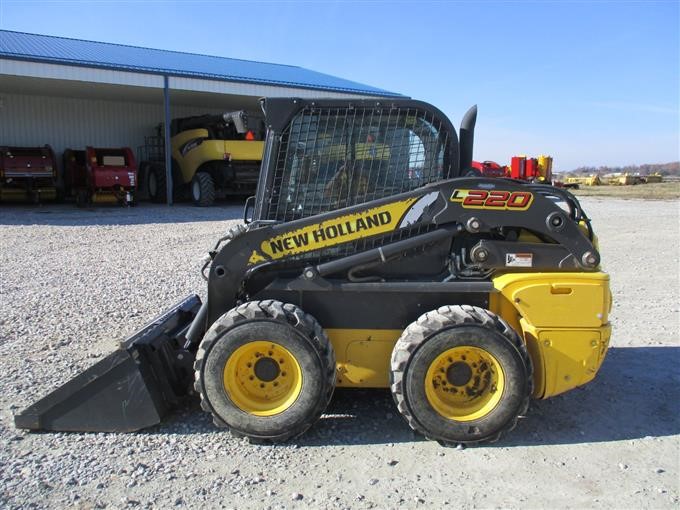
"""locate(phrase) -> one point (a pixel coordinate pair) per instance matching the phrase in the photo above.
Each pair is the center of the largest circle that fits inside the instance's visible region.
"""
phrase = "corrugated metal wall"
(62, 122)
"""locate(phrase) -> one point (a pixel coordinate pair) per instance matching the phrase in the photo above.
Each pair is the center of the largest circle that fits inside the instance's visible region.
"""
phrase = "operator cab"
(330, 156)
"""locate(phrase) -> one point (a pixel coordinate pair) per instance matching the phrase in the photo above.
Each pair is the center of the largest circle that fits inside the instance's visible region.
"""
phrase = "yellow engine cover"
(564, 320)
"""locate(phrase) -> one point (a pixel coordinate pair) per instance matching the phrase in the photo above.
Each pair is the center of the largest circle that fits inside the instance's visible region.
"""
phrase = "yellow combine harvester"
(212, 156)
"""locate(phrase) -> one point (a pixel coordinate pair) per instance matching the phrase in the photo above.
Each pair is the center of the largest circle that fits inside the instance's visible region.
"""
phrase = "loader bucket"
(130, 389)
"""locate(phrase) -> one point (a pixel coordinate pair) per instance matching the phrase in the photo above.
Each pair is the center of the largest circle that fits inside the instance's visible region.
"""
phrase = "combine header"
(368, 260)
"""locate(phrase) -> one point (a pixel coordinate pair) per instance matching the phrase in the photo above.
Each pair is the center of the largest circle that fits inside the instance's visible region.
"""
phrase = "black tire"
(288, 326)
(156, 184)
(203, 189)
(460, 327)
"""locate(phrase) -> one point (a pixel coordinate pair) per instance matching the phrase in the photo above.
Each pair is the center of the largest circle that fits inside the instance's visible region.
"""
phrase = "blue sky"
(592, 83)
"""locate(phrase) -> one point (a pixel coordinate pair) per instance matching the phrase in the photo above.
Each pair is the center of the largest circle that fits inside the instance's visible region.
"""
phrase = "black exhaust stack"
(467, 140)
(131, 389)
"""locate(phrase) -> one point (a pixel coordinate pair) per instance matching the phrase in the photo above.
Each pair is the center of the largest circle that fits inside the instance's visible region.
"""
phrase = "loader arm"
(307, 248)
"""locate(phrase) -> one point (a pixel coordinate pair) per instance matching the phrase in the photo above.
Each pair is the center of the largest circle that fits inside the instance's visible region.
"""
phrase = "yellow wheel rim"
(262, 378)
(464, 383)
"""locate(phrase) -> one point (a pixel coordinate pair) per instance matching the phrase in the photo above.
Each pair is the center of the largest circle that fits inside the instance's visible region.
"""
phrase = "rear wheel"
(460, 374)
(156, 183)
(266, 370)
(203, 189)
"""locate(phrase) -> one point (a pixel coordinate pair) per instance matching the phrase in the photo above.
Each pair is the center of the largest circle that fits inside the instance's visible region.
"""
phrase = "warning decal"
(519, 259)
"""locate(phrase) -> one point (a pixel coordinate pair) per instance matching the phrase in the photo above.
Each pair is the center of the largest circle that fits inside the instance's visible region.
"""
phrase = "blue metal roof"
(61, 50)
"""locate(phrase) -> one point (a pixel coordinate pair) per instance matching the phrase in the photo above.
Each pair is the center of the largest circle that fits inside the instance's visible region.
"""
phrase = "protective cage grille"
(330, 158)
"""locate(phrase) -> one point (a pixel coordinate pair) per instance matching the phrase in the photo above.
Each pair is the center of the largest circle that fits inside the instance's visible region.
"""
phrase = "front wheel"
(156, 183)
(460, 374)
(203, 189)
(265, 370)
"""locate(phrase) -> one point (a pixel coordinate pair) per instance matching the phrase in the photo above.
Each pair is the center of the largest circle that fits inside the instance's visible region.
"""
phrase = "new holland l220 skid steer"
(371, 257)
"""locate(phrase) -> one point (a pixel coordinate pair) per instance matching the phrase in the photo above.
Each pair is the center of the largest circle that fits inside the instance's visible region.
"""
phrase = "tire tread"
(207, 186)
(274, 310)
(430, 323)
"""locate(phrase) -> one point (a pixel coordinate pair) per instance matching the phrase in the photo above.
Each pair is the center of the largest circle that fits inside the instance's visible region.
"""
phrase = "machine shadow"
(635, 395)
(68, 215)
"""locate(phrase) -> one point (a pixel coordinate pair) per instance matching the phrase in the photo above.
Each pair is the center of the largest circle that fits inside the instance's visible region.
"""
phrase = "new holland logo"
(374, 221)
(493, 199)
(326, 233)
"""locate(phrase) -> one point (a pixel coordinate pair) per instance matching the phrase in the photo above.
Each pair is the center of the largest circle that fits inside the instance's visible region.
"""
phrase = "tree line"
(661, 168)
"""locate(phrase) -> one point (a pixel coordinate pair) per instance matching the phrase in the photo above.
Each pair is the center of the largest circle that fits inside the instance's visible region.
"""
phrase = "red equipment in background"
(518, 167)
(531, 169)
(490, 169)
(100, 175)
(522, 168)
(28, 173)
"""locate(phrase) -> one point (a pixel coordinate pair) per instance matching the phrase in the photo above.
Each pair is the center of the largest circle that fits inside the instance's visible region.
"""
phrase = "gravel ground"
(73, 282)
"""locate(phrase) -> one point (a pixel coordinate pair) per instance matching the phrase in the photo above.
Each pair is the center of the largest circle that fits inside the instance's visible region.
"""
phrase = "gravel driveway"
(75, 281)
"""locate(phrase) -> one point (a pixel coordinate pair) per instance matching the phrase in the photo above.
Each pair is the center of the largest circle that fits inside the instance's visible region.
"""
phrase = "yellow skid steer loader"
(371, 256)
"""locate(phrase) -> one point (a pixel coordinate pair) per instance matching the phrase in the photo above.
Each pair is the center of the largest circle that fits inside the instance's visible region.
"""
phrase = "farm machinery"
(521, 168)
(212, 156)
(532, 169)
(490, 169)
(626, 179)
(654, 178)
(586, 180)
(100, 175)
(464, 295)
(28, 174)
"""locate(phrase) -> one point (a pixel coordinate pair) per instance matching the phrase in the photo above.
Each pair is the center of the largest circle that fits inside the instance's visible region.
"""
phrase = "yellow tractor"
(212, 156)
(370, 257)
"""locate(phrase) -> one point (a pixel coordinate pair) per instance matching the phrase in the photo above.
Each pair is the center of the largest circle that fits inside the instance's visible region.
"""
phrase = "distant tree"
(661, 168)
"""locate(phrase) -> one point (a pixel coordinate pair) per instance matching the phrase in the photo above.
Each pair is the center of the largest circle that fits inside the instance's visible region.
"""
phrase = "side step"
(130, 389)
